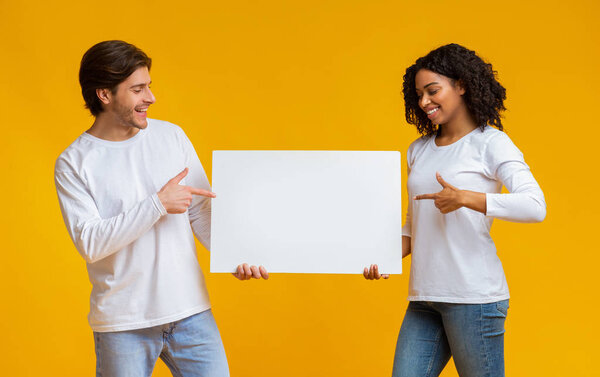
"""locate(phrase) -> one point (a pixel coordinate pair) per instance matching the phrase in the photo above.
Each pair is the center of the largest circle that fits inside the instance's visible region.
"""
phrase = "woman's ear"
(458, 84)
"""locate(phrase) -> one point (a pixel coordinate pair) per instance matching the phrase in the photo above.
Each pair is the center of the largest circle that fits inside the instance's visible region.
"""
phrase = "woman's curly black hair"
(484, 96)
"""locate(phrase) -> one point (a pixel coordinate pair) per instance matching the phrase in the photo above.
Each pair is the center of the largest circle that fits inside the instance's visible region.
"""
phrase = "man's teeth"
(141, 110)
(433, 111)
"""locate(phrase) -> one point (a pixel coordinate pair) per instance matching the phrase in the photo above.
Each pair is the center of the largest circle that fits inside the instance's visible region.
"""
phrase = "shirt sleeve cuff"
(406, 230)
(493, 207)
(158, 205)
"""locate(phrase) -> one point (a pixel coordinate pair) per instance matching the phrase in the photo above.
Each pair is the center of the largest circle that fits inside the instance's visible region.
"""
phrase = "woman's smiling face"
(439, 96)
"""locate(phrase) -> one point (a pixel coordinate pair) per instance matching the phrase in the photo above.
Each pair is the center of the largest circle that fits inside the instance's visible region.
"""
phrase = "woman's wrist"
(473, 200)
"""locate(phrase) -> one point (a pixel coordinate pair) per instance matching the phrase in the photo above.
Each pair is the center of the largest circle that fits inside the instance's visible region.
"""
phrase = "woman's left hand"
(448, 200)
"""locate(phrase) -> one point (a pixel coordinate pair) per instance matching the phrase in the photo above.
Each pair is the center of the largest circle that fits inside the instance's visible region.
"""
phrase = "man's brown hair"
(104, 66)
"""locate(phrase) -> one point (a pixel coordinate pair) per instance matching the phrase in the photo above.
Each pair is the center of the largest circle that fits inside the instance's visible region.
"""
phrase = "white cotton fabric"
(453, 256)
(141, 261)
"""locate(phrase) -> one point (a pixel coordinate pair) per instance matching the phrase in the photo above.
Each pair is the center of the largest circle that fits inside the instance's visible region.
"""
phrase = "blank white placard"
(306, 211)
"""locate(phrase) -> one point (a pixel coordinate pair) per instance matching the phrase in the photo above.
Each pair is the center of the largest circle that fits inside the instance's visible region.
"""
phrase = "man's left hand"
(246, 272)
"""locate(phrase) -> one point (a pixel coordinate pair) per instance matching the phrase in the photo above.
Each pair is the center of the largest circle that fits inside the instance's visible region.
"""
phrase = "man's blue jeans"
(473, 334)
(189, 347)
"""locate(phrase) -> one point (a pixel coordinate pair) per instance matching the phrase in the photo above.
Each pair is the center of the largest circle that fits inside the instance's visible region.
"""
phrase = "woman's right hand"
(372, 273)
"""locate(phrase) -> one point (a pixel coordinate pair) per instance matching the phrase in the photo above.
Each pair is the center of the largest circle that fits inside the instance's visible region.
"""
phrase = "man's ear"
(104, 95)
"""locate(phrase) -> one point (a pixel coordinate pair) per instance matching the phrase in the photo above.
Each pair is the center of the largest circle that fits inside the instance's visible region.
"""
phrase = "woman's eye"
(433, 92)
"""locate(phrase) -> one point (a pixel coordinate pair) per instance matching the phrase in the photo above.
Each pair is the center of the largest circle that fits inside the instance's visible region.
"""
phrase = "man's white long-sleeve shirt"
(453, 256)
(141, 261)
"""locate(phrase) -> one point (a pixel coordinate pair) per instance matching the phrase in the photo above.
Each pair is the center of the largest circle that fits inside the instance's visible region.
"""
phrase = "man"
(129, 189)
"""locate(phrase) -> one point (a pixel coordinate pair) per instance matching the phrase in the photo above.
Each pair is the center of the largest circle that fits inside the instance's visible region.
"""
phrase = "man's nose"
(150, 96)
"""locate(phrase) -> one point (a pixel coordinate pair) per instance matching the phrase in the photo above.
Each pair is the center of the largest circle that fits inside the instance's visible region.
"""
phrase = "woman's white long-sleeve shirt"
(453, 256)
(141, 261)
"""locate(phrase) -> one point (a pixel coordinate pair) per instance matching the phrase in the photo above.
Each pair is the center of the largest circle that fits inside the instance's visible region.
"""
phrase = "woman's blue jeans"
(473, 334)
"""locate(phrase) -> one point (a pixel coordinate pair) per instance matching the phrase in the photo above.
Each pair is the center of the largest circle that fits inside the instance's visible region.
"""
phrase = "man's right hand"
(177, 198)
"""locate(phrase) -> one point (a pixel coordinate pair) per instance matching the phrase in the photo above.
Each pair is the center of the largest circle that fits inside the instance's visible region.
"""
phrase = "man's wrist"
(463, 198)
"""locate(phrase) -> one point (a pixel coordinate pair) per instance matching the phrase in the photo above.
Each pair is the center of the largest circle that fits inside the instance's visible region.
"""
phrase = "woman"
(457, 290)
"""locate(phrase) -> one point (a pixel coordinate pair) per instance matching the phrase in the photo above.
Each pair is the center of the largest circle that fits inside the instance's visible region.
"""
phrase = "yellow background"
(303, 75)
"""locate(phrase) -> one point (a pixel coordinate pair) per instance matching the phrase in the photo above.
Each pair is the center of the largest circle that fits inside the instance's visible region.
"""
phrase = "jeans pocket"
(502, 307)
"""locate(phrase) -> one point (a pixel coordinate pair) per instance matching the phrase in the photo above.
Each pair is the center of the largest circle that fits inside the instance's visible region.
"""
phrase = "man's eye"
(137, 90)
